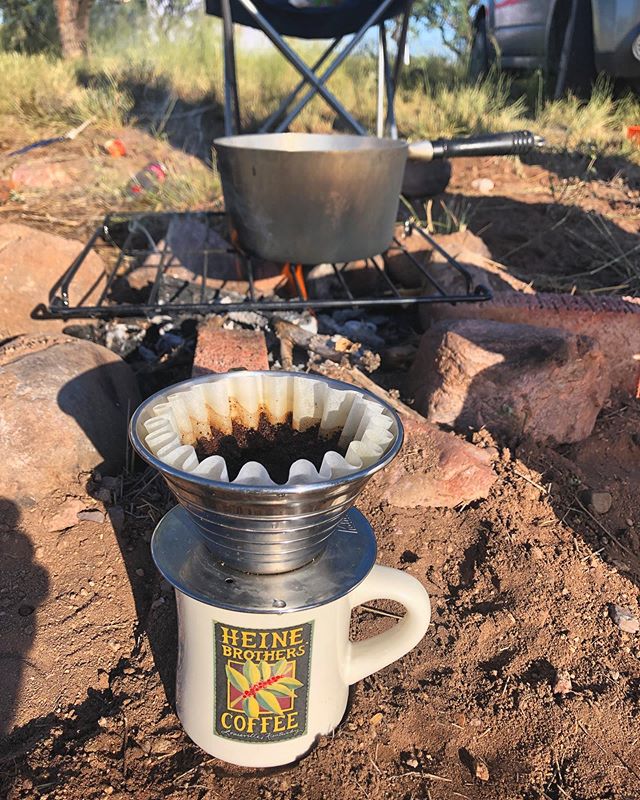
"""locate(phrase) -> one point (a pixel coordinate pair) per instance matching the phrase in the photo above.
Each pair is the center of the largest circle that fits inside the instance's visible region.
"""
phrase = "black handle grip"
(510, 143)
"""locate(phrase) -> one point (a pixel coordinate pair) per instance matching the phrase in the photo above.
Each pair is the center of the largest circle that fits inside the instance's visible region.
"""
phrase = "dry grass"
(43, 92)
(434, 99)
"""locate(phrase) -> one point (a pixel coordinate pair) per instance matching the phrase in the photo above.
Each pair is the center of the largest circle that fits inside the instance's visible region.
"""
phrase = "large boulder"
(512, 379)
(64, 406)
(614, 322)
(31, 261)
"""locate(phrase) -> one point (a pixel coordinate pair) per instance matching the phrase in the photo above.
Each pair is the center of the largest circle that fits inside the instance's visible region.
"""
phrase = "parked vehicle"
(595, 36)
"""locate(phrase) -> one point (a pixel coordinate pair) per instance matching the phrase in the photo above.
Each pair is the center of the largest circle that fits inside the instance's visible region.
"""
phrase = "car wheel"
(580, 69)
(480, 55)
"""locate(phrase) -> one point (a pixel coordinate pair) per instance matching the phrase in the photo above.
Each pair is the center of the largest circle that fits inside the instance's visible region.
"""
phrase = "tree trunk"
(73, 24)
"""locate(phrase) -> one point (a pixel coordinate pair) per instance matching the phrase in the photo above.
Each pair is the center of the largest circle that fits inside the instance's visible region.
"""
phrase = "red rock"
(66, 514)
(614, 322)
(64, 407)
(562, 683)
(470, 252)
(31, 261)
(40, 175)
(624, 618)
(513, 379)
(435, 470)
(221, 350)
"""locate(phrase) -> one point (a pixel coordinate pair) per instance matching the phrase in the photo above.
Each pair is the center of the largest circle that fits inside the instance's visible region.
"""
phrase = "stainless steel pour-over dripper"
(264, 529)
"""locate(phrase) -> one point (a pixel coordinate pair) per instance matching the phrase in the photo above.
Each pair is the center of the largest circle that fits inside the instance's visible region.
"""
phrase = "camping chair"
(279, 18)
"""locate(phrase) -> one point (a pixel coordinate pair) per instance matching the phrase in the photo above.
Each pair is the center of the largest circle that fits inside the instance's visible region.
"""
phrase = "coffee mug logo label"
(261, 682)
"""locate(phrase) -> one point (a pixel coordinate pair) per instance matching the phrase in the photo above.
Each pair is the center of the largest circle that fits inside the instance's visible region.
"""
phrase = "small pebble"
(624, 619)
(563, 684)
(103, 679)
(140, 573)
(104, 495)
(91, 515)
(25, 610)
(483, 185)
(537, 553)
(412, 762)
(476, 765)
(599, 502)
(376, 719)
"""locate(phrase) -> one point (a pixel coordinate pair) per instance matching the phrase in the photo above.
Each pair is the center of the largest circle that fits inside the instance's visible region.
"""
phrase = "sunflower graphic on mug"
(262, 687)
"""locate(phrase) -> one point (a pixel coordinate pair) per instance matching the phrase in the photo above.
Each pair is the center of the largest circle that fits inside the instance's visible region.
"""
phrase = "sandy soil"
(520, 585)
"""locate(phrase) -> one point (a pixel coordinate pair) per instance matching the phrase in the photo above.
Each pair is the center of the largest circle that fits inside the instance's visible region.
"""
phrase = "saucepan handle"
(509, 143)
(383, 583)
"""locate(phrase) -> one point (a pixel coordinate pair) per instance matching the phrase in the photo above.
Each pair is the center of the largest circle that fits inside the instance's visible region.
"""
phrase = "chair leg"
(318, 81)
(231, 103)
(268, 124)
(402, 42)
(294, 59)
(390, 127)
(381, 86)
(392, 79)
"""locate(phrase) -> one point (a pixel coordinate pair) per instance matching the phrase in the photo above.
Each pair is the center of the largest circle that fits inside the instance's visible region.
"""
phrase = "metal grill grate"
(176, 263)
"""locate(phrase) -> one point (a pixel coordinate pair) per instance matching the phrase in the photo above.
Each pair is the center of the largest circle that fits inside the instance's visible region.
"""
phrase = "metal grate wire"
(130, 242)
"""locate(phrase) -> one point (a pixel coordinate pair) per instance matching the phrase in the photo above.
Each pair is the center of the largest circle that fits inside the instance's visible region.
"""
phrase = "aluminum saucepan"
(310, 198)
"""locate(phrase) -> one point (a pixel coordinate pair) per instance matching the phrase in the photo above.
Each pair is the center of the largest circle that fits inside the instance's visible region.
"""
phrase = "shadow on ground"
(555, 246)
(24, 586)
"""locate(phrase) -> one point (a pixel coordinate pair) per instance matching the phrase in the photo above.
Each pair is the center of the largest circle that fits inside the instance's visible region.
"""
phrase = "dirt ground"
(520, 585)
(562, 221)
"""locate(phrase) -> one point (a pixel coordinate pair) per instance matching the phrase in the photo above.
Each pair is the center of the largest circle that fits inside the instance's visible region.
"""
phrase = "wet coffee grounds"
(277, 447)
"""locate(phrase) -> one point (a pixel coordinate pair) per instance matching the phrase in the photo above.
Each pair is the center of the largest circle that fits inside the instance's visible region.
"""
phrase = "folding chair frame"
(283, 116)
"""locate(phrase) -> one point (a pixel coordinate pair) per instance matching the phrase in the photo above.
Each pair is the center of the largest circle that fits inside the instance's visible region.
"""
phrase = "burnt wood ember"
(275, 446)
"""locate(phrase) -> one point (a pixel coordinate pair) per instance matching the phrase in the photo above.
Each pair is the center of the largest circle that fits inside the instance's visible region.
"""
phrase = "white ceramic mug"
(257, 689)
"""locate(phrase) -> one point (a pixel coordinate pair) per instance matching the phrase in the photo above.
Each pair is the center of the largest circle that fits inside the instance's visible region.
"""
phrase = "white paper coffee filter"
(175, 424)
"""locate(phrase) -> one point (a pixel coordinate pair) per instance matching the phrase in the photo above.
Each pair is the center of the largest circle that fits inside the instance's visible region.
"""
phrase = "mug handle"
(384, 583)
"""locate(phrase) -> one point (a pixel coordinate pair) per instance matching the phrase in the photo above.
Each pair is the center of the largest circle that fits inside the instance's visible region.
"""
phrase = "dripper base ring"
(184, 560)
